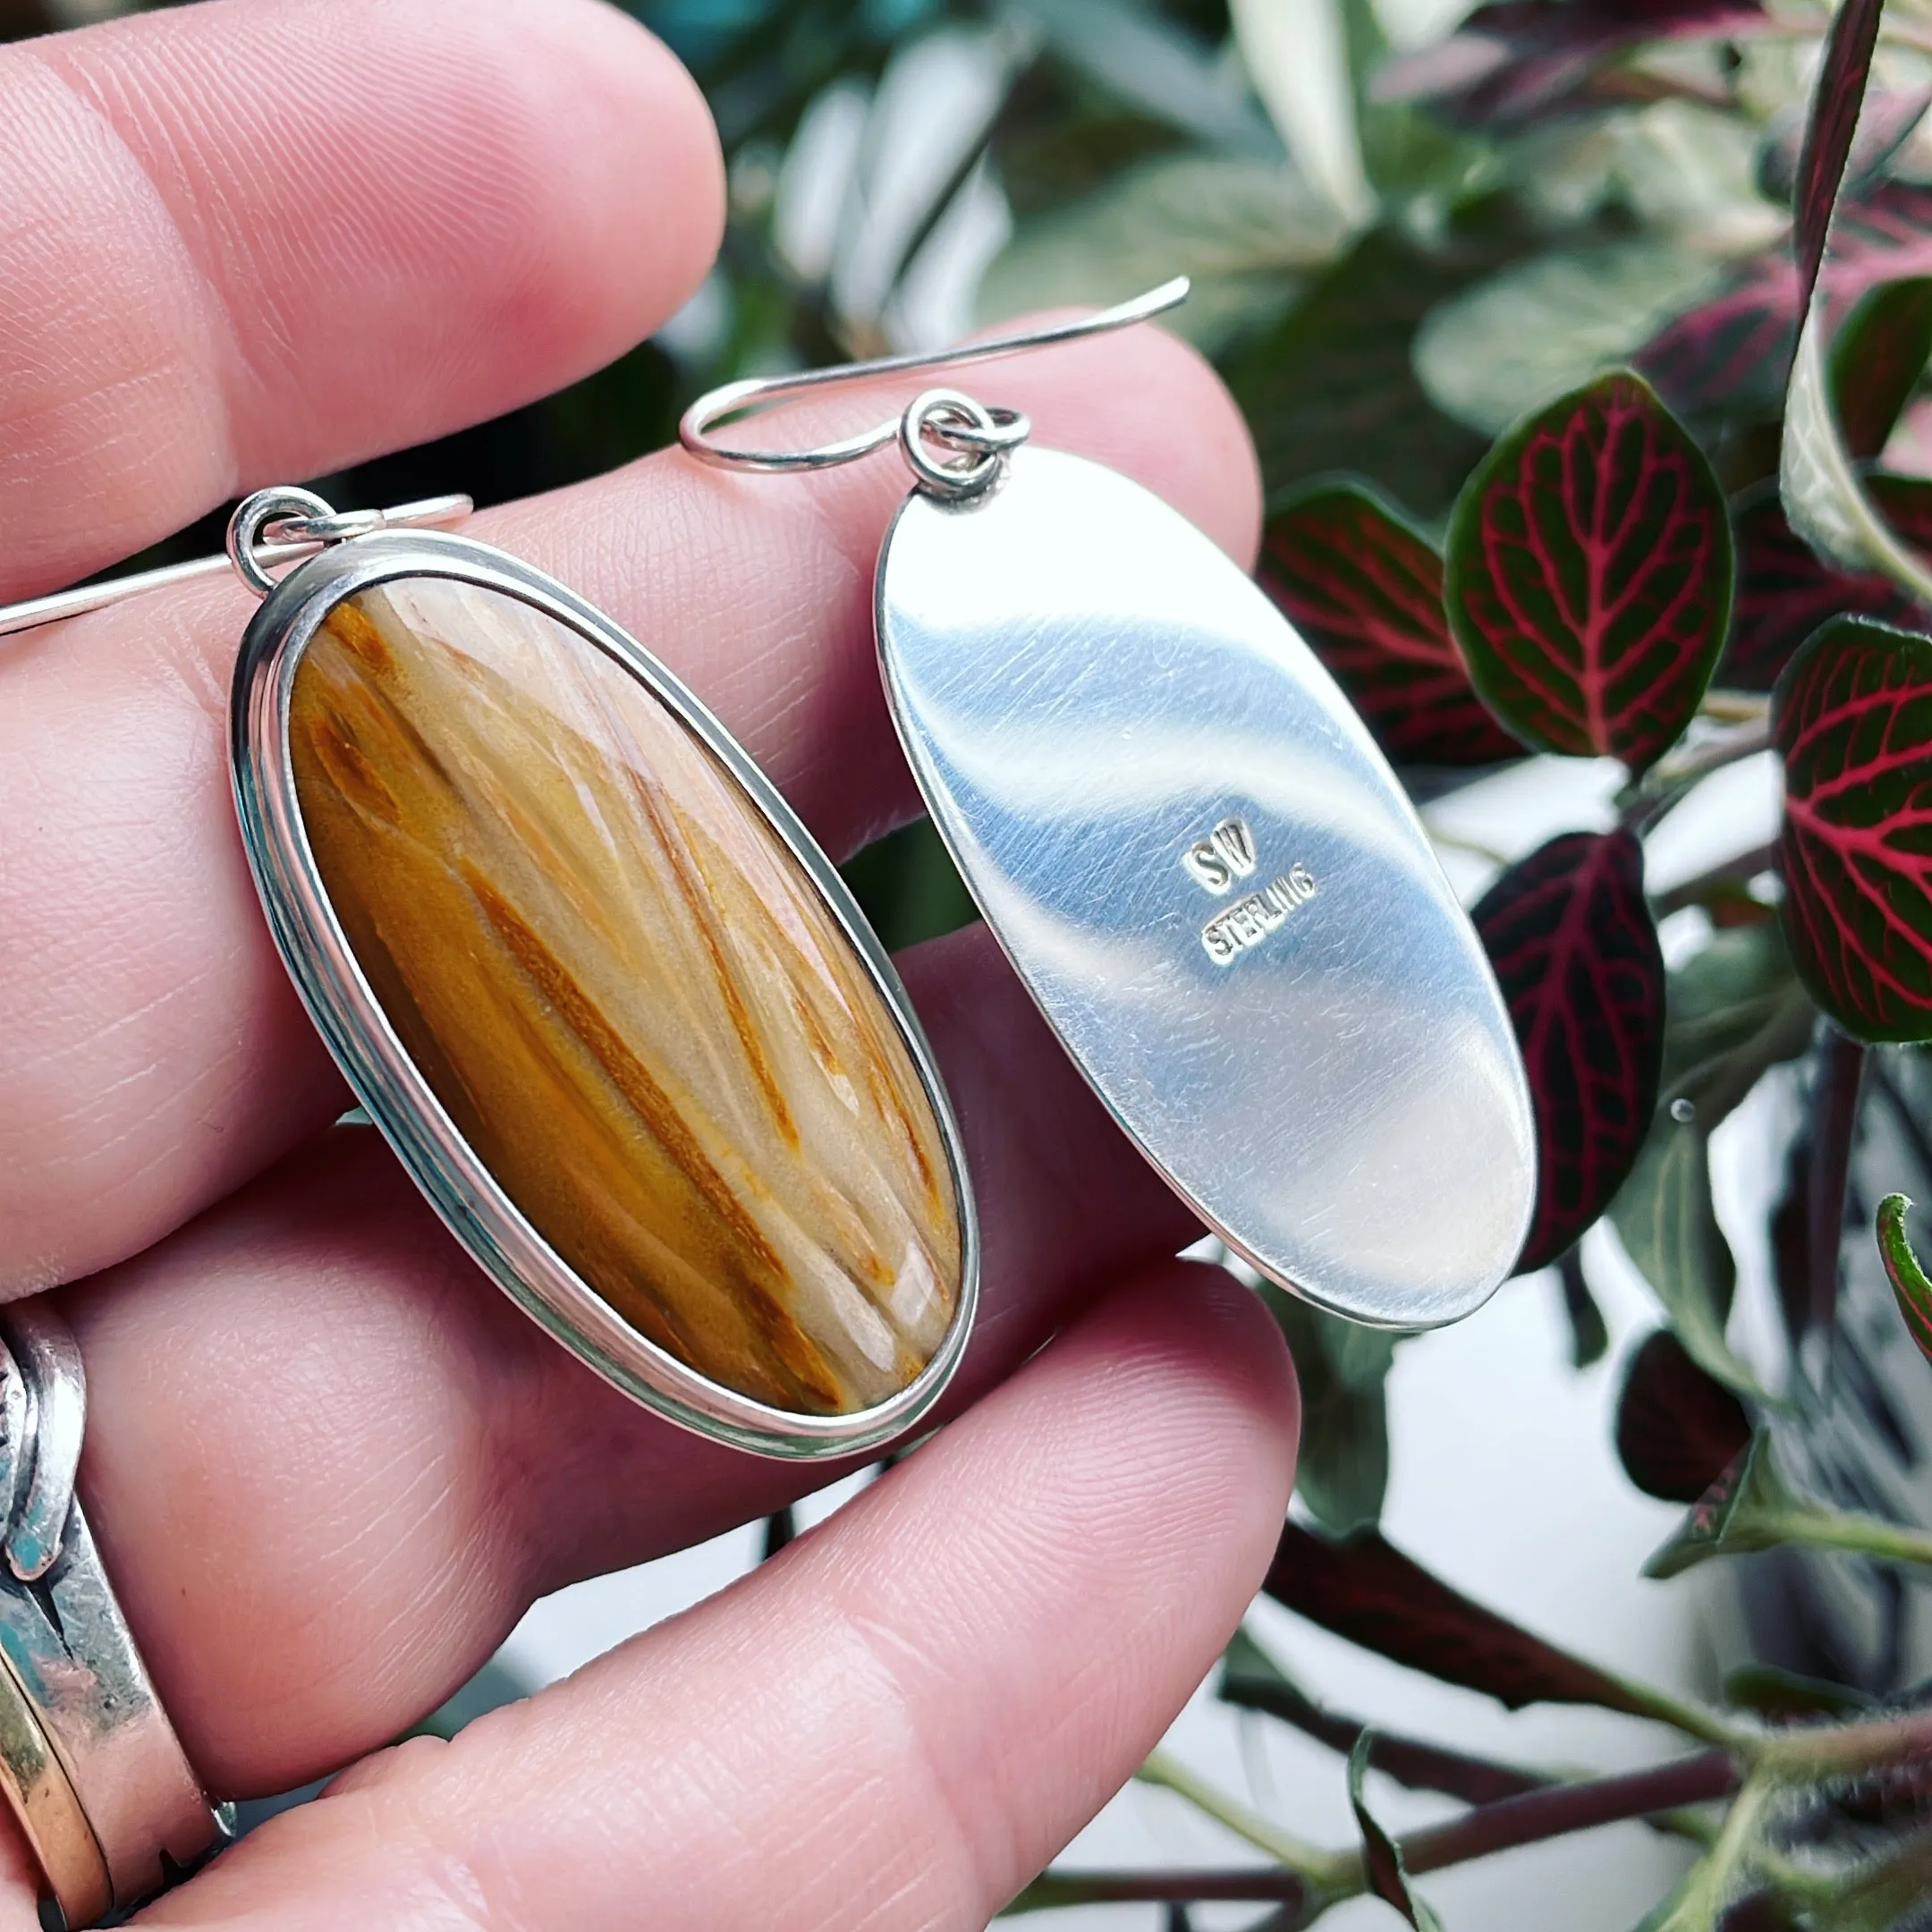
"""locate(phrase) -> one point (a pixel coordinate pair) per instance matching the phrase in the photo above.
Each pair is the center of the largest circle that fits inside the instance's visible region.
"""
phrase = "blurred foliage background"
(1390, 262)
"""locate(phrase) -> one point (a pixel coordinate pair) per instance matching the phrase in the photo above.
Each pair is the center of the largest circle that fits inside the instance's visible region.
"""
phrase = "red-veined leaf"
(1852, 716)
(1876, 358)
(1906, 503)
(1365, 590)
(1885, 122)
(1575, 951)
(1835, 102)
(1367, 1591)
(1734, 351)
(1902, 1270)
(1522, 60)
(1677, 1428)
(1589, 574)
(1785, 591)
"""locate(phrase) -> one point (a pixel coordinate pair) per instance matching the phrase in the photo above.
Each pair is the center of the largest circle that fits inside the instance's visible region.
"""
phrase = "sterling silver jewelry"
(1193, 853)
(743, 1199)
(89, 1761)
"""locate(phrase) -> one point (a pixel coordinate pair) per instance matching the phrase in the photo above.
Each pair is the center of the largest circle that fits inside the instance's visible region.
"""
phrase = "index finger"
(254, 240)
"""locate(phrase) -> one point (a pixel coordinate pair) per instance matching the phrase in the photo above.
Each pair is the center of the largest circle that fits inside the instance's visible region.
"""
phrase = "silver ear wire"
(982, 443)
(271, 528)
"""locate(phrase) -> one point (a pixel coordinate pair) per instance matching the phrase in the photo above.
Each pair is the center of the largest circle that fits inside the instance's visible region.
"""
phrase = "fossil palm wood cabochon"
(1213, 884)
(631, 1039)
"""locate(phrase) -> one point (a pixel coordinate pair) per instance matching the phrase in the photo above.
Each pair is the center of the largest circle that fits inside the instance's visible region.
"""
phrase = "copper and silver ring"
(88, 1762)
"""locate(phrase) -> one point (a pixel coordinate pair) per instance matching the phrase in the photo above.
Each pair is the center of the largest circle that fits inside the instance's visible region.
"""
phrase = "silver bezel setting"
(387, 1080)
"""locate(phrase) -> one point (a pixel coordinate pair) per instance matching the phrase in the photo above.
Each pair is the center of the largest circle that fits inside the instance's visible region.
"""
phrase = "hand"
(329, 1465)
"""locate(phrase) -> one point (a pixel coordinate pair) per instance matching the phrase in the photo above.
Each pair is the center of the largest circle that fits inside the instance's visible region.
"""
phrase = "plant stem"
(1866, 1536)
(1319, 1868)
(1735, 707)
(1669, 784)
(1264, 1884)
(1800, 1753)
(1834, 1108)
(1707, 1727)
(1535, 1816)
(1710, 1887)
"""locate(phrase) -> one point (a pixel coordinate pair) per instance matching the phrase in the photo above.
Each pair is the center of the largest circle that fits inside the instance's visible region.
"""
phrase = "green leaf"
(1330, 388)
(1245, 230)
(1908, 1281)
(1589, 575)
(1342, 1474)
(1736, 1009)
(1824, 500)
(1382, 1857)
(1745, 1510)
(1665, 1218)
(1549, 324)
(1877, 359)
(1784, 1694)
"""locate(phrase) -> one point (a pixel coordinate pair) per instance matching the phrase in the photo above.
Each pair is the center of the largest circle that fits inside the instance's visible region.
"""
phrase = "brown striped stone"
(627, 995)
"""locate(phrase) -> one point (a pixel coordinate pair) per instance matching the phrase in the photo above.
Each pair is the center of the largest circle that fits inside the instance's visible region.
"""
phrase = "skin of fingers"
(892, 1725)
(254, 240)
(330, 1465)
(151, 1053)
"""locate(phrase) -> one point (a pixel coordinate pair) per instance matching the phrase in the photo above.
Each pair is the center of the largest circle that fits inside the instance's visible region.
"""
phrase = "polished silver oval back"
(1213, 884)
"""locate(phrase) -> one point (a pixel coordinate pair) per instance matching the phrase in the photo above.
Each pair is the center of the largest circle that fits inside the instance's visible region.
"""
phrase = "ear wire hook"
(295, 525)
(985, 439)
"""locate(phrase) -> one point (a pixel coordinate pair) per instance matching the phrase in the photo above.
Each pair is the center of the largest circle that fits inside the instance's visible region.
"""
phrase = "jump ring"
(956, 421)
(249, 525)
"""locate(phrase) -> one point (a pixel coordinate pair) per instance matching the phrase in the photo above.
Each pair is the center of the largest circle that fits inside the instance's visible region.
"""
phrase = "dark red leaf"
(1734, 351)
(1905, 501)
(1876, 358)
(1886, 122)
(1852, 716)
(1786, 591)
(1521, 60)
(1365, 590)
(1677, 1428)
(1368, 1592)
(1589, 574)
(1575, 950)
(1834, 120)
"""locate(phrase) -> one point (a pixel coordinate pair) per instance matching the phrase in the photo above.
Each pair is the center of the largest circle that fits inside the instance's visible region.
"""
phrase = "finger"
(331, 1465)
(151, 1054)
(249, 242)
(895, 1723)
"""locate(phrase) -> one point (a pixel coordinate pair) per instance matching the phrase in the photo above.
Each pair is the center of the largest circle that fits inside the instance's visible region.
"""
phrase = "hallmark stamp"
(1248, 922)
(1226, 855)
(1215, 863)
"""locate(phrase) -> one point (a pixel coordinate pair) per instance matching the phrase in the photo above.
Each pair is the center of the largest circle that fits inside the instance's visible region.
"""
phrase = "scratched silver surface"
(1212, 884)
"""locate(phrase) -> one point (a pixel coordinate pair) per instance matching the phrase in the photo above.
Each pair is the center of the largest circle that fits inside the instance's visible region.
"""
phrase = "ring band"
(42, 1798)
(87, 1759)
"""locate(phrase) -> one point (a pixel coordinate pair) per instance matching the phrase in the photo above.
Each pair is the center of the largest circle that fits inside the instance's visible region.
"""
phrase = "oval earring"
(593, 980)
(1195, 856)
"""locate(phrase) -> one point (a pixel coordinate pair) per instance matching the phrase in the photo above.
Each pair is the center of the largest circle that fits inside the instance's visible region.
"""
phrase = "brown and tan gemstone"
(627, 995)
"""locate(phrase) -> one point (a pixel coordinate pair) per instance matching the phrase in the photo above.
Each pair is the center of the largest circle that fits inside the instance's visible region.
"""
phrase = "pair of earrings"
(632, 1038)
